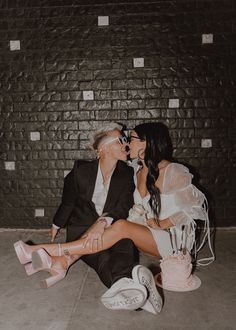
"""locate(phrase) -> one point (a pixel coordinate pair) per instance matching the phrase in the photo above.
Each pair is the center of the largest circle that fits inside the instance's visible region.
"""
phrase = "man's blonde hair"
(101, 134)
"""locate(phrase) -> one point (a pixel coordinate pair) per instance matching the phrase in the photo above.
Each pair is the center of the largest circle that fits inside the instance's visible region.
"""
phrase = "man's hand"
(53, 233)
(93, 236)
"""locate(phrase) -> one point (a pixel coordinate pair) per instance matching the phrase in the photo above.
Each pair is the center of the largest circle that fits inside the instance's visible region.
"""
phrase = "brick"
(93, 105)
(128, 104)
(128, 83)
(144, 114)
(95, 85)
(78, 115)
(153, 83)
(156, 103)
(110, 94)
(116, 115)
(143, 93)
(62, 106)
(109, 74)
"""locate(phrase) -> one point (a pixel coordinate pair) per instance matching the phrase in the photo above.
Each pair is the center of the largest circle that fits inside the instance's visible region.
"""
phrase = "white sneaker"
(125, 294)
(144, 276)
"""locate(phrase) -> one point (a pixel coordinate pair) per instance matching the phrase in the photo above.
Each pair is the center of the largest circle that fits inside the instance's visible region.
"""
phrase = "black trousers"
(114, 263)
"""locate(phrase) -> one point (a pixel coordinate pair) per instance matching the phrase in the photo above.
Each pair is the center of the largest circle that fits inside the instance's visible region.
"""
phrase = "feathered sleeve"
(188, 198)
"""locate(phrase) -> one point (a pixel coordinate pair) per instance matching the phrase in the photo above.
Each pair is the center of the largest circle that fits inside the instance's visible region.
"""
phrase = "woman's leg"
(140, 235)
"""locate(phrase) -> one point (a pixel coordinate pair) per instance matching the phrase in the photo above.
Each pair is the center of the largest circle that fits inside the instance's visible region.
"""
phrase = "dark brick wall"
(64, 52)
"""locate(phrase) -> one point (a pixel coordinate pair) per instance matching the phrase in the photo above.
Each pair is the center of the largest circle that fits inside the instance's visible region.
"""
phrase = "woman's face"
(114, 148)
(136, 146)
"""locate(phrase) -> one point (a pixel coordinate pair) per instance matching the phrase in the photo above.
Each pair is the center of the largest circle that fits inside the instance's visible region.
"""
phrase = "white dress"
(182, 203)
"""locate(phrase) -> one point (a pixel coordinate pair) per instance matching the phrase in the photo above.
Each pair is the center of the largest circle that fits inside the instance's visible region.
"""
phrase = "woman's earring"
(98, 154)
(141, 154)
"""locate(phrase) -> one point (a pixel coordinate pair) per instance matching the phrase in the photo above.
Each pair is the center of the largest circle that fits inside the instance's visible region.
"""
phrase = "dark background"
(64, 52)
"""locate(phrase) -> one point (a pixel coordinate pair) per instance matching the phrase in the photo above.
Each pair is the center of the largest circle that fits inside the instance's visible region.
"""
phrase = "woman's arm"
(163, 224)
(188, 199)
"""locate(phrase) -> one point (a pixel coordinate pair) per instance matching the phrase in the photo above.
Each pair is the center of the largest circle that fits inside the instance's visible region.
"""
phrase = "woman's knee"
(120, 226)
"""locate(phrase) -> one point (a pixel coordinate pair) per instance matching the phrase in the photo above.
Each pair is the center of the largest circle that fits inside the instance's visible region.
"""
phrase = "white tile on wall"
(39, 213)
(206, 143)
(103, 20)
(88, 95)
(173, 103)
(34, 136)
(138, 62)
(14, 44)
(207, 38)
(10, 166)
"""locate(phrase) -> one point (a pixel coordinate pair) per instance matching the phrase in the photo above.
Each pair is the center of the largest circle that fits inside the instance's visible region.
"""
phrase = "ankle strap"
(65, 251)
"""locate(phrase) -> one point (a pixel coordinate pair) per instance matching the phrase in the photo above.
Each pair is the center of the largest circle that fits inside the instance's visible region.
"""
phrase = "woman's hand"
(153, 224)
(163, 224)
(93, 236)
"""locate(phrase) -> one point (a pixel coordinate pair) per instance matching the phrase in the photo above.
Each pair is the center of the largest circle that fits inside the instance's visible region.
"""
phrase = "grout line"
(78, 298)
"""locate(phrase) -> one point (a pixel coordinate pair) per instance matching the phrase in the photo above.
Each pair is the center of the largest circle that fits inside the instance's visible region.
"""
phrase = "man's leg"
(114, 268)
(100, 263)
(123, 257)
(115, 263)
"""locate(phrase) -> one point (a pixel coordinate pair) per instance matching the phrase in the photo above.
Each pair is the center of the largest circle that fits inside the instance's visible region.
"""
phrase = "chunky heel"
(50, 281)
(41, 260)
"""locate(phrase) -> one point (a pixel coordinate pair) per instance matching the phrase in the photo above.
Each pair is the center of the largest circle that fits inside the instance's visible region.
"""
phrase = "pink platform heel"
(23, 252)
(41, 260)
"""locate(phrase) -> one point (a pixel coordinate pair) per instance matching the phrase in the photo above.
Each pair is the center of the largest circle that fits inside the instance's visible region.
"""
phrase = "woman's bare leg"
(64, 261)
(140, 235)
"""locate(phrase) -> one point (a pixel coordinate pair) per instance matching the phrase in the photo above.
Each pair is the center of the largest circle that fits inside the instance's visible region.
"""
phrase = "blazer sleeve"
(67, 202)
(125, 200)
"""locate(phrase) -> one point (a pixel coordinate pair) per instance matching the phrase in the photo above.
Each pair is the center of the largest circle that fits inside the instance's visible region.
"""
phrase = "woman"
(166, 201)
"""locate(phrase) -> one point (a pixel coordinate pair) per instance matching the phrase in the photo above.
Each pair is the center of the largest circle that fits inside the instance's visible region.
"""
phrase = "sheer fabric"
(182, 203)
(189, 200)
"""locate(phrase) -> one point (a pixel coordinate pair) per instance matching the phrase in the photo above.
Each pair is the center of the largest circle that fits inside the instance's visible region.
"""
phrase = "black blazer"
(77, 211)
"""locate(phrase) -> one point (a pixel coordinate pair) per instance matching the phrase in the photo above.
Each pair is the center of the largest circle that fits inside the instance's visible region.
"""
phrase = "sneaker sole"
(154, 300)
(122, 300)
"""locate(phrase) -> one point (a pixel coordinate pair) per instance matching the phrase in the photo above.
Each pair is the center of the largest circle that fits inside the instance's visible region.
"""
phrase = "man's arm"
(67, 204)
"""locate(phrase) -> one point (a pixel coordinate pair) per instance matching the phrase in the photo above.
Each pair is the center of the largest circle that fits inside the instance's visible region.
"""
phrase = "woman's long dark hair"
(158, 148)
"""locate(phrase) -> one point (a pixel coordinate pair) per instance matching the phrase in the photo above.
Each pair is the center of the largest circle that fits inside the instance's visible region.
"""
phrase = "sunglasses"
(134, 137)
(121, 139)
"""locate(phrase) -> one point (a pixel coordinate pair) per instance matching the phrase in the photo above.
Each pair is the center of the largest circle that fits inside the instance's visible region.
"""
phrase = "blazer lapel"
(91, 178)
(113, 188)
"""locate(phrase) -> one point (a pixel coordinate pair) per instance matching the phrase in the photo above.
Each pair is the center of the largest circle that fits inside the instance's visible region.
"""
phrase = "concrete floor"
(73, 304)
